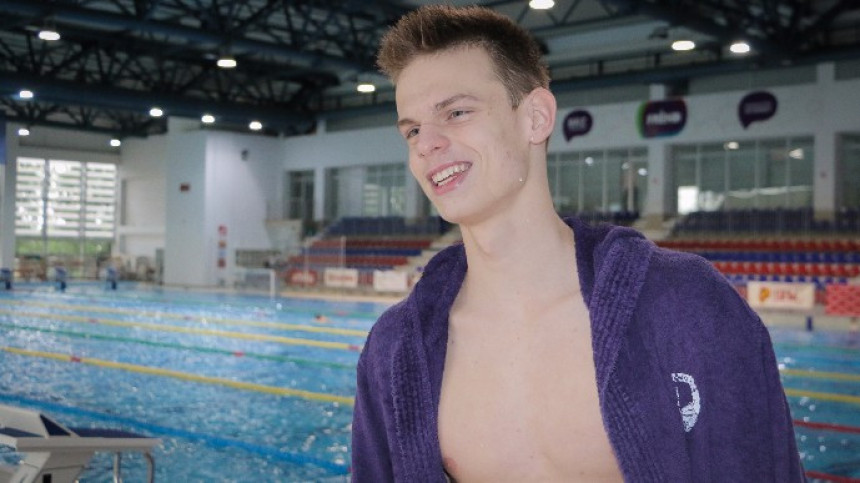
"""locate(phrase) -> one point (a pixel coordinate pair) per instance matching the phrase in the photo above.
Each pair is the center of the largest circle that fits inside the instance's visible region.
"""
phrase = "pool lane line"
(834, 376)
(839, 428)
(191, 318)
(818, 475)
(248, 386)
(167, 431)
(168, 345)
(190, 330)
(823, 396)
(818, 348)
(235, 304)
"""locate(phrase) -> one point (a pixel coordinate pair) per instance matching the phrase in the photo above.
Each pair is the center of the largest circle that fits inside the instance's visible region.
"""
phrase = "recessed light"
(732, 145)
(682, 45)
(365, 88)
(226, 62)
(25, 94)
(207, 118)
(740, 48)
(23, 131)
(115, 143)
(49, 35)
(541, 4)
(255, 125)
(156, 112)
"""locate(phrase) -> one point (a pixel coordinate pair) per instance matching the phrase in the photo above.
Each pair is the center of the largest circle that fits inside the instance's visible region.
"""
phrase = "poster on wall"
(756, 106)
(577, 123)
(662, 118)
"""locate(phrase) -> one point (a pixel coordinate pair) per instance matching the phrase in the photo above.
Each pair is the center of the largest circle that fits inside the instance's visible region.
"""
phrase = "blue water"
(211, 432)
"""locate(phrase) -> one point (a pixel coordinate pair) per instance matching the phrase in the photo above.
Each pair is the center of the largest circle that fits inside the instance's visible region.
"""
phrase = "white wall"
(143, 196)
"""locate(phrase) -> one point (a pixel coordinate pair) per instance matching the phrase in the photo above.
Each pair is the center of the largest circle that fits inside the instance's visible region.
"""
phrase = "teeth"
(445, 176)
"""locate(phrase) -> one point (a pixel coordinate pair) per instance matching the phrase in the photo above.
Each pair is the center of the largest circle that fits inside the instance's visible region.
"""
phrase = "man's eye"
(458, 113)
(410, 133)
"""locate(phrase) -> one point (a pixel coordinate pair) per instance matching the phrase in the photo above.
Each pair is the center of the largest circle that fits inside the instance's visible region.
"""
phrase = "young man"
(564, 352)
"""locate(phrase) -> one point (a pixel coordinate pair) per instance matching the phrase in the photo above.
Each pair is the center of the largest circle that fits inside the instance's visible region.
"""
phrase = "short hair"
(515, 54)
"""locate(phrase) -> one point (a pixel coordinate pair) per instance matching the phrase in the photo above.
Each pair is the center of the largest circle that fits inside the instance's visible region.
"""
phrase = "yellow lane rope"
(247, 386)
(837, 376)
(824, 396)
(190, 330)
(208, 320)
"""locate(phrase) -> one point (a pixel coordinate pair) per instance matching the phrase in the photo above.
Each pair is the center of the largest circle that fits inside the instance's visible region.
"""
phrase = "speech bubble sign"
(756, 106)
(577, 123)
(662, 118)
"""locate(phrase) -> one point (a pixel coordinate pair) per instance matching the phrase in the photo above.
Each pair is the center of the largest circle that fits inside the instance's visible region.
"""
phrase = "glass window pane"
(850, 171)
(567, 197)
(713, 177)
(592, 165)
(742, 176)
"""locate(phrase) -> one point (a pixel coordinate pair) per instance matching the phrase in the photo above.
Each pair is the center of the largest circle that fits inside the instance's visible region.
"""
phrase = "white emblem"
(690, 411)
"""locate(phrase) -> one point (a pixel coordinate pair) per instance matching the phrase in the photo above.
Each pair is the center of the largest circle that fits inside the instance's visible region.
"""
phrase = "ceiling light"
(226, 62)
(255, 125)
(740, 48)
(365, 88)
(207, 119)
(732, 145)
(796, 153)
(49, 34)
(25, 94)
(541, 4)
(681, 45)
(23, 131)
(156, 112)
(115, 142)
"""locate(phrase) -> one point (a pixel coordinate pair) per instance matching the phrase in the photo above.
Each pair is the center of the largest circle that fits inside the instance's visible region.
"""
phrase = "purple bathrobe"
(687, 379)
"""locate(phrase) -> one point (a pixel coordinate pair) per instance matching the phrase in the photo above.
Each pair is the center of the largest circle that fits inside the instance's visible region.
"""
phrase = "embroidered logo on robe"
(688, 399)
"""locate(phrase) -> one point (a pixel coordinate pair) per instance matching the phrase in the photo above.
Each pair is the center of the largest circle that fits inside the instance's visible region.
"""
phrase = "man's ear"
(541, 109)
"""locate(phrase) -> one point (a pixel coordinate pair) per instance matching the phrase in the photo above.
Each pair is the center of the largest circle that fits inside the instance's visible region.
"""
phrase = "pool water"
(211, 430)
(251, 388)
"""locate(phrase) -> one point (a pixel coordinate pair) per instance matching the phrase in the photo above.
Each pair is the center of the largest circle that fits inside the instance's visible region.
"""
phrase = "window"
(762, 174)
(850, 171)
(608, 181)
(384, 192)
(65, 209)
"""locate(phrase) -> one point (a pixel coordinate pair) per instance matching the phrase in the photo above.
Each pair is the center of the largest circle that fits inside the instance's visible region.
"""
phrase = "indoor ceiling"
(300, 61)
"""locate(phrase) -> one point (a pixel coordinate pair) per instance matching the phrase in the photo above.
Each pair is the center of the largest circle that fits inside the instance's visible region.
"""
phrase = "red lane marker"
(75, 359)
(354, 347)
(238, 353)
(828, 426)
(828, 477)
(93, 320)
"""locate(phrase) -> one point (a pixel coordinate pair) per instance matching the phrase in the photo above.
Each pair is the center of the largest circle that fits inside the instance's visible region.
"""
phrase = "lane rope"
(823, 396)
(168, 345)
(189, 330)
(836, 376)
(191, 318)
(248, 386)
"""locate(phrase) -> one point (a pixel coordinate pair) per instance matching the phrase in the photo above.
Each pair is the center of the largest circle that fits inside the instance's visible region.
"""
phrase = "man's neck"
(518, 262)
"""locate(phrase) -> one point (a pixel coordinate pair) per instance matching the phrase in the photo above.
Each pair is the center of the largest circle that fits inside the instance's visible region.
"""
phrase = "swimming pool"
(246, 388)
(238, 388)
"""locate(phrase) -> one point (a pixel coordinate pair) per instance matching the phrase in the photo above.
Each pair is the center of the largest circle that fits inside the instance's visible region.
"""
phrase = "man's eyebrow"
(439, 106)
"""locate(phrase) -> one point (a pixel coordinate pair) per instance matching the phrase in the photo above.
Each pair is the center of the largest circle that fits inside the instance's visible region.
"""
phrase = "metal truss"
(298, 59)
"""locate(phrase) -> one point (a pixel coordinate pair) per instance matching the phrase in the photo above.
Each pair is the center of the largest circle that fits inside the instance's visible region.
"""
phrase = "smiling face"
(468, 148)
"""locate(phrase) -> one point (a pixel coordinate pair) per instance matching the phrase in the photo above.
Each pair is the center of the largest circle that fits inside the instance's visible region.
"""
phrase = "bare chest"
(522, 405)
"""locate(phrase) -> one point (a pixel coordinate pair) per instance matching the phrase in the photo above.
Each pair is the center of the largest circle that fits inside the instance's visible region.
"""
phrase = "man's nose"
(431, 138)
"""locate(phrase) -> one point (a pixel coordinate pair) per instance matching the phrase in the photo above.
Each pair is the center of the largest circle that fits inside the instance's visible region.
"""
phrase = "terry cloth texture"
(687, 380)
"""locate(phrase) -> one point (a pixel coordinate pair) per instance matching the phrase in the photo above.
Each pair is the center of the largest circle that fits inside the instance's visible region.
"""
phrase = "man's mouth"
(446, 175)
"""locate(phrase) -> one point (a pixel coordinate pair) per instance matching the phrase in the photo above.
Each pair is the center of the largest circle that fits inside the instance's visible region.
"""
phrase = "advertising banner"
(340, 277)
(781, 295)
(390, 281)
